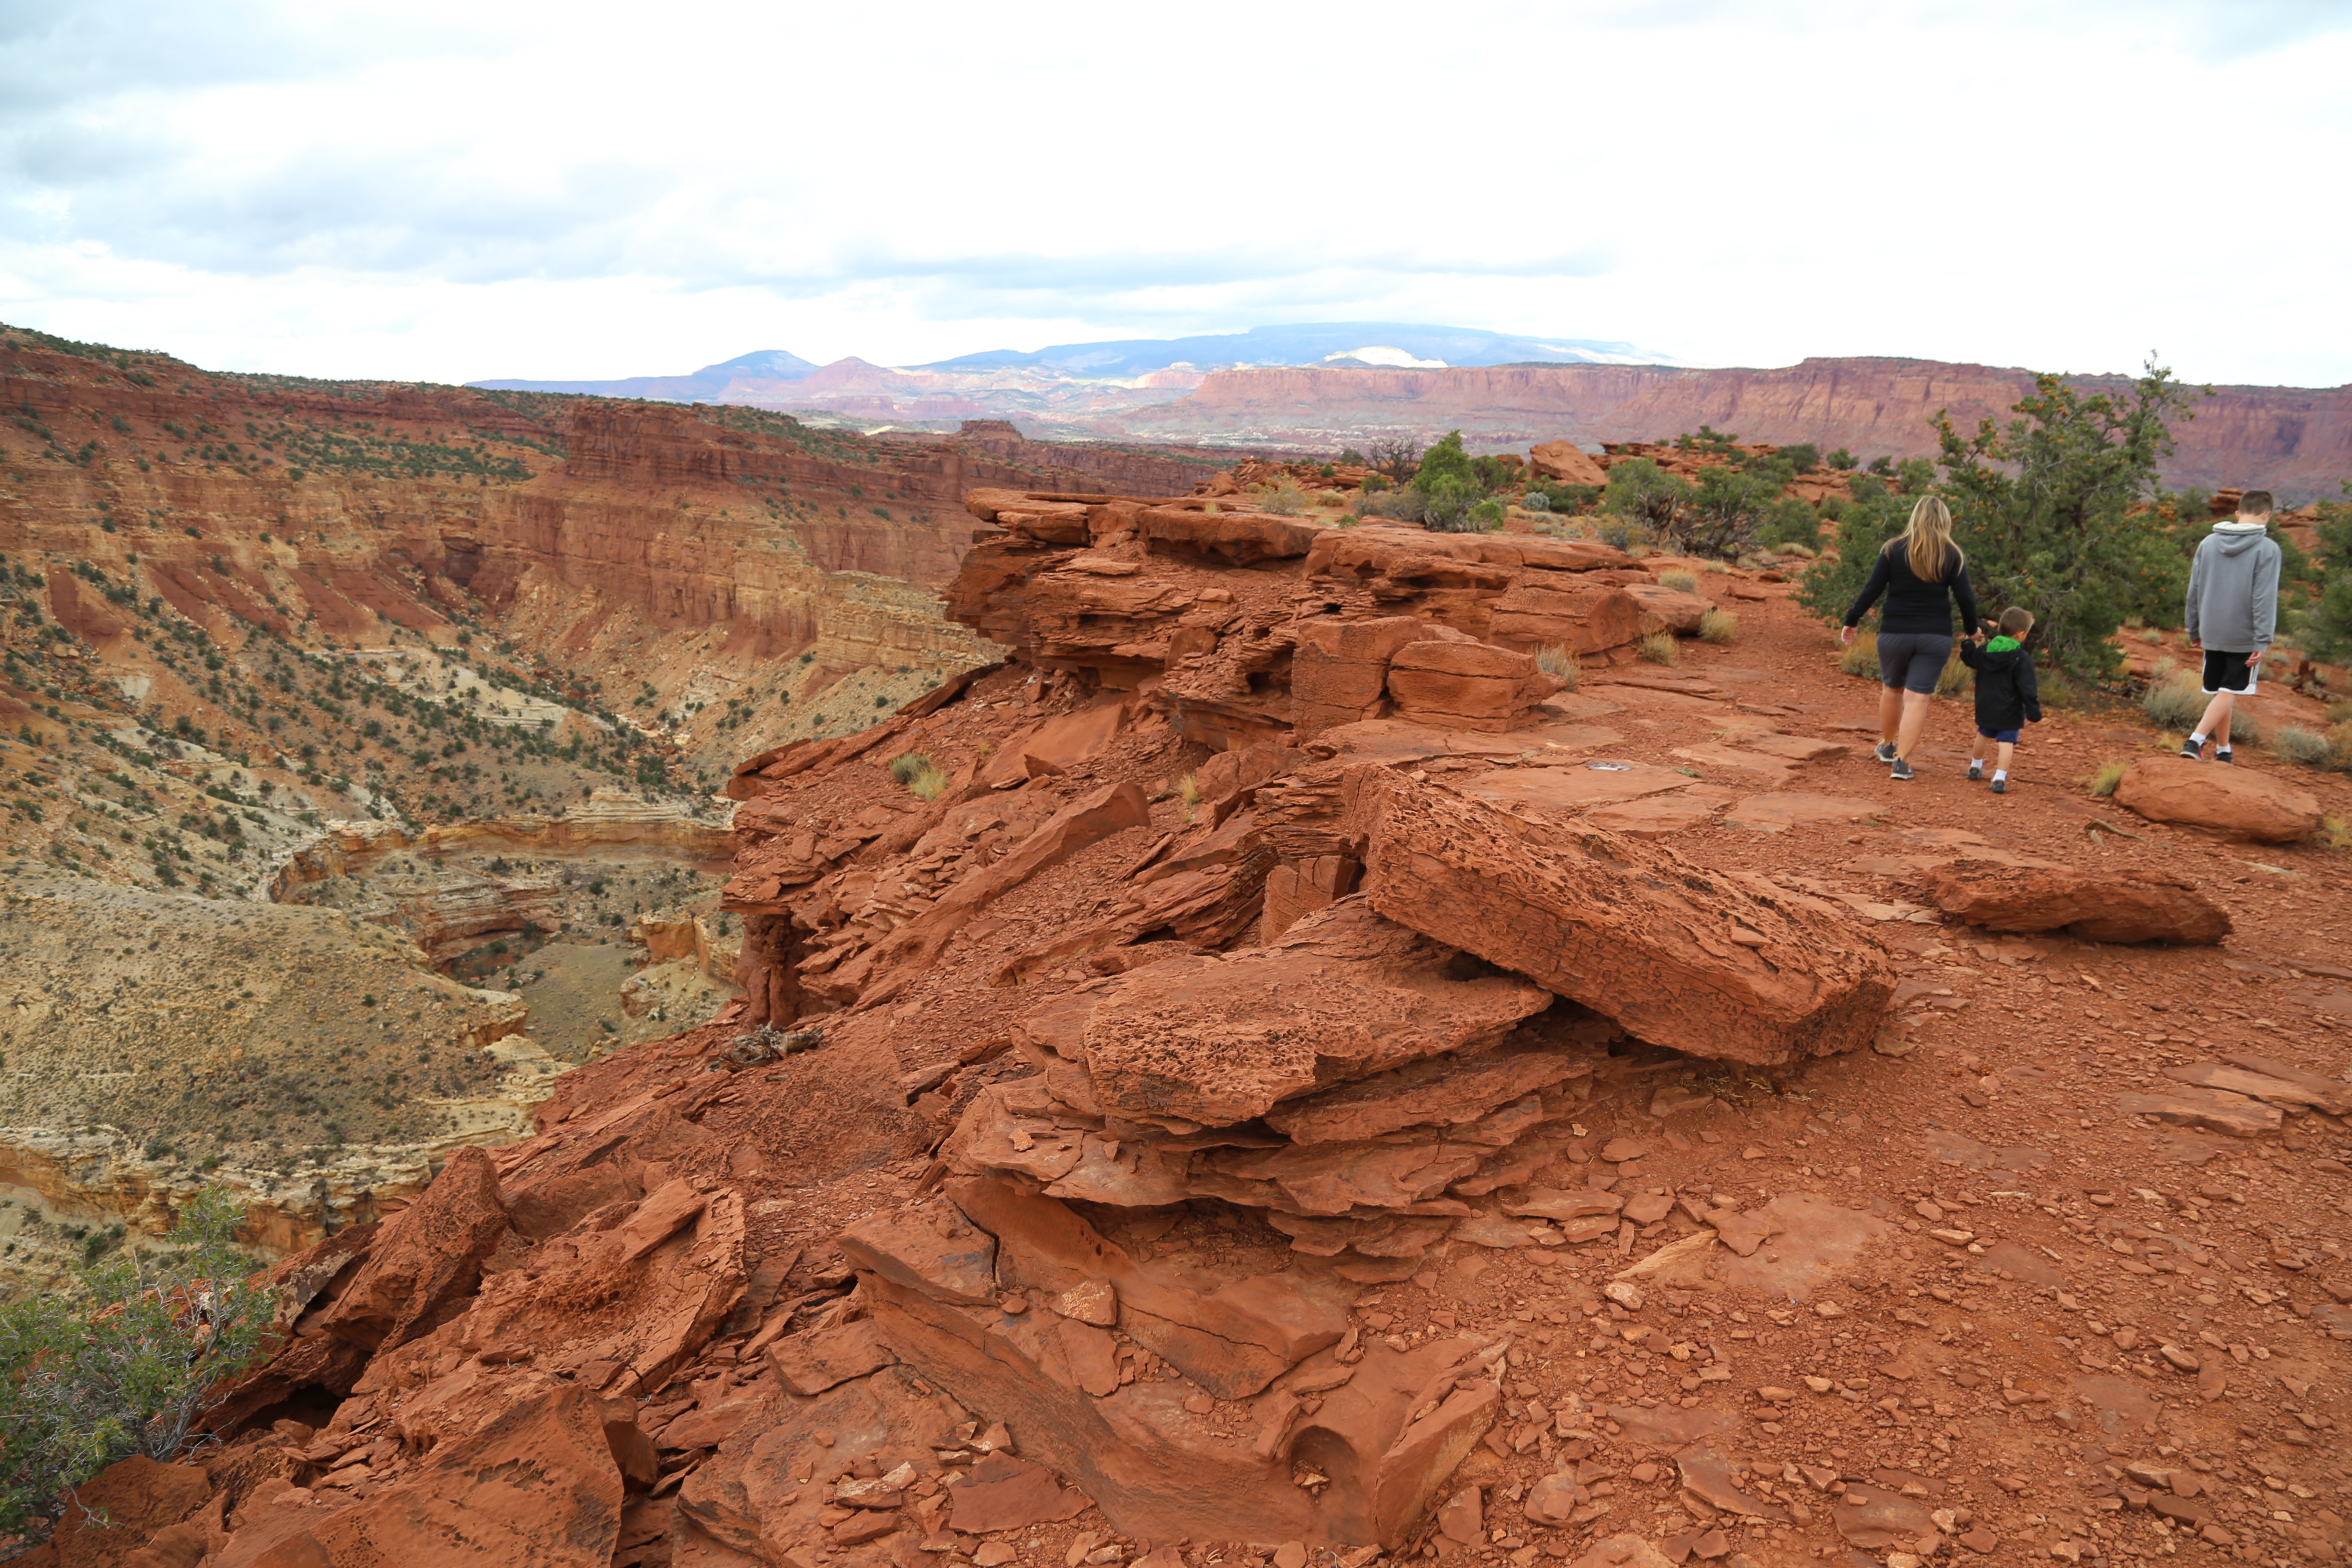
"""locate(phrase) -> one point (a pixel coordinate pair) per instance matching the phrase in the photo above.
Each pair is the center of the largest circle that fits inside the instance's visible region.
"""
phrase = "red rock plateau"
(2294, 441)
(1298, 1083)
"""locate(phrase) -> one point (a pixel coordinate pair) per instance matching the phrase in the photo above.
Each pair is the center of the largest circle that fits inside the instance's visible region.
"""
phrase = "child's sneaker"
(2223, 755)
(2193, 750)
(1902, 773)
(1976, 772)
(2000, 787)
(1885, 752)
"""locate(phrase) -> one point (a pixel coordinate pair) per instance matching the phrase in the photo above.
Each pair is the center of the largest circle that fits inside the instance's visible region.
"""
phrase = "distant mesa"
(772, 375)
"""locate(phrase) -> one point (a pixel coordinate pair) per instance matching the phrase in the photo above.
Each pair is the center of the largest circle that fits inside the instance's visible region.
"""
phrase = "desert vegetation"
(127, 1362)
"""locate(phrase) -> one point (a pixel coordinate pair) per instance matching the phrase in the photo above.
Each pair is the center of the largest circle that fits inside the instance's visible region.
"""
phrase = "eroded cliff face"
(2295, 441)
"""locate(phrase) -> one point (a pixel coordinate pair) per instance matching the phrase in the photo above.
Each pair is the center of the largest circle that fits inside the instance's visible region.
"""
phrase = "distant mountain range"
(1090, 379)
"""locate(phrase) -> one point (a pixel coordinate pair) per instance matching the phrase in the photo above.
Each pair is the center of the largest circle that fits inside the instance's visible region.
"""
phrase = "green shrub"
(1842, 460)
(2175, 702)
(1681, 581)
(128, 1366)
(2245, 728)
(1660, 648)
(1718, 627)
(1622, 533)
(2297, 744)
(1560, 663)
(1790, 522)
(1803, 455)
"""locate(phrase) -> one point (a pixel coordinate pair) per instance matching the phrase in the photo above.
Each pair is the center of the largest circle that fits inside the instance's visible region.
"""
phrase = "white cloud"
(456, 191)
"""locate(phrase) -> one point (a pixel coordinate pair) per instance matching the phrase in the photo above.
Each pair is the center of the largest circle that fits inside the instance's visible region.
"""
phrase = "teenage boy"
(2232, 613)
(2008, 697)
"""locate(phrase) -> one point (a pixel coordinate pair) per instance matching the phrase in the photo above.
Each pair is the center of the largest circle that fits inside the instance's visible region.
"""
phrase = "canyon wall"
(2297, 441)
(343, 510)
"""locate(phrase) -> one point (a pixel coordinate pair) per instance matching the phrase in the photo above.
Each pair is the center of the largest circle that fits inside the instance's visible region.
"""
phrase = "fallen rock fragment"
(2095, 905)
(2215, 1110)
(2239, 802)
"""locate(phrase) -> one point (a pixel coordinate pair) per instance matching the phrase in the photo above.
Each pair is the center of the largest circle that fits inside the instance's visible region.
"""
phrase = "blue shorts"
(1913, 661)
(2006, 737)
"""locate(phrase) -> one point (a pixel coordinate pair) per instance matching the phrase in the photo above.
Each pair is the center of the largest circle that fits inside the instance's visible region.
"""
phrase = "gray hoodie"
(2233, 588)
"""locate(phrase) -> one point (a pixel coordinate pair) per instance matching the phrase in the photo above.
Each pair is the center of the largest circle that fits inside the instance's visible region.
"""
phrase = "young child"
(2007, 696)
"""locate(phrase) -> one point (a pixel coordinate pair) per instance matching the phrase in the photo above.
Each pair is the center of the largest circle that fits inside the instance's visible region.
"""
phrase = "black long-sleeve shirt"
(1913, 603)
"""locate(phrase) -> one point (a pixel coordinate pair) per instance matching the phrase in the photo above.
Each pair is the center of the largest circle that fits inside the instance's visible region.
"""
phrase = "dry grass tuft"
(1718, 627)
(1659, 647)
(2103, 783)
(1560, 663)
(1861, 658)
(1680, 582)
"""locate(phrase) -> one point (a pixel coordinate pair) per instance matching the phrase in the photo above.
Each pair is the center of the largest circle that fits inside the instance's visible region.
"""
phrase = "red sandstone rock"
(1466, 685)
(1587, 618)
(808, 1364)
(1239, 538)
(2097, 906)
(1345, 994)
(2238, 801)
(1627, 929)
(1669, 609)
(426, 1260)
(1093, 817)
(1566, 461)
(131, 1513)
(538, 1487)
(1339, 673)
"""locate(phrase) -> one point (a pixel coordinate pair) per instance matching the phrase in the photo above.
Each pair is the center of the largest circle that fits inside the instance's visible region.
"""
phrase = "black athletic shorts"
(2227, 672)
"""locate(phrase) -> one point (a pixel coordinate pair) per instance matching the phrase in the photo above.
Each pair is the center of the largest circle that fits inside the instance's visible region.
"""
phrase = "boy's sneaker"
(1902, 773)
(1885, 752)
(1976, 772)
(2193, 750)
(2223, 755)
(2000, 787)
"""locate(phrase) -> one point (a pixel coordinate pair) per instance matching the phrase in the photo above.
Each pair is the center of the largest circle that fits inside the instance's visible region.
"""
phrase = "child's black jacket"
(2008, 695)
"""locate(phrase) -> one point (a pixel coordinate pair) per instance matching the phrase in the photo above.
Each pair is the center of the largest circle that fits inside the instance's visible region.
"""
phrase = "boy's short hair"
(2016, 621)
(2254, 503)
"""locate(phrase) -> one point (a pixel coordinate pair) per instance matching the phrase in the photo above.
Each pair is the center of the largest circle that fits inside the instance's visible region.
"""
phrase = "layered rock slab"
(1703, 961)
(2095, 905)
(1216, 1040)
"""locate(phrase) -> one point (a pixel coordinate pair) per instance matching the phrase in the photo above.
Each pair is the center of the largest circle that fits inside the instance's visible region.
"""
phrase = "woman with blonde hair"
(1923, 573)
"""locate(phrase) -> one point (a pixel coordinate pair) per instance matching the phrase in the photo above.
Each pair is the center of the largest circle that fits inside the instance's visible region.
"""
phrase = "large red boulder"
(2241, 802)
(1707, 962)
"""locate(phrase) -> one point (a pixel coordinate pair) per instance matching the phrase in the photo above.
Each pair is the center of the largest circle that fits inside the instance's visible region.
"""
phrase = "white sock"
(1976, 762)
(2001, 772)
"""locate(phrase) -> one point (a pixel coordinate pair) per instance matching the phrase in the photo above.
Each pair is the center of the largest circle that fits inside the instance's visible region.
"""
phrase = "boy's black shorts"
(2227, 672)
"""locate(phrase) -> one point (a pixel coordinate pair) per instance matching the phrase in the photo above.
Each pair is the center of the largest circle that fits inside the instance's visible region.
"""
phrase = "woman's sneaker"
(2223, 755)
(2000, 787)
(1976, 772)
(1902, 773)
(1886, 752)
(2193, 750)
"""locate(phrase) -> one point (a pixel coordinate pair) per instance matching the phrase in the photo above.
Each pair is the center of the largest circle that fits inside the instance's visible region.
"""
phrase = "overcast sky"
(451, 191)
